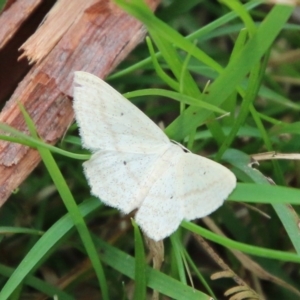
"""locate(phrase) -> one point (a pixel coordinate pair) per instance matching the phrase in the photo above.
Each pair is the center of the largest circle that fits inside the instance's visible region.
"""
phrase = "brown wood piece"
(13, 16)
(99, 37)
(17, 24)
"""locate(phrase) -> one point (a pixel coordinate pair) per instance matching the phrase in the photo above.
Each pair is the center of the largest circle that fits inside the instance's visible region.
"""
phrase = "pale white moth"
(134, 165)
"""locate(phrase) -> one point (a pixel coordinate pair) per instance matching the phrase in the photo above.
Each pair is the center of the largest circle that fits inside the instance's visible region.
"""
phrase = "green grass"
(2, 2)
(51, 225)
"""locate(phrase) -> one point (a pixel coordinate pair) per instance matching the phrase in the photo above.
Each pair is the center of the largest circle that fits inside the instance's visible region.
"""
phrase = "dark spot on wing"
(184, 150)
(125, 163)
(122, 114)
(171, 197)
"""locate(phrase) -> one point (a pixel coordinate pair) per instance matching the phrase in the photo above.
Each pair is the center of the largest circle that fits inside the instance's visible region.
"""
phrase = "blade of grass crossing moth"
(71, 206)
(250, 249)
(140, 265)
(26, 140)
